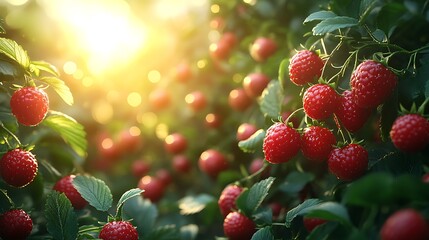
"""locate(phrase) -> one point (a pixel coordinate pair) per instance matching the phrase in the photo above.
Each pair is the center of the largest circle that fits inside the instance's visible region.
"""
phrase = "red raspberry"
(281, 143)
(175, 143)
(15, 224)
(348, 162)
(65, 185)
(227, 199)
(405, 224)
(351, 116)
(236, 226)
(372, 83)
(181, 163)
(305, 67)
(320, 101)
(153, 188)
(18, 167)
(311, 223)
(410, 133)
(29, 105)
(119, 230)
(317, 143)
(212, 162)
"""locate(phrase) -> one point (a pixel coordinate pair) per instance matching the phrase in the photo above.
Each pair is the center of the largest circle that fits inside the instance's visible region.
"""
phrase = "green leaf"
(320, 15)
(194, 204)
(389, 17)
(15, 52)
(251, 199)
(284, 72)
(60, 87)
(253, 143)
(301, 209)
(167, 232)
(263, 216)
(296, 181)
(189, 232)
(61, 220)
(95, 191)
(9, 71)
(126, 196)
(263, 234)
(330, 211)
(38, 66)
(335, 23)
(270, 103)
(69, 129)
(322, 231)
(143, 214)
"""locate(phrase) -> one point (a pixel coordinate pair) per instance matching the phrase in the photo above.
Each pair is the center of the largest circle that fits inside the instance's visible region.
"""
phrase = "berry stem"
(11, 134)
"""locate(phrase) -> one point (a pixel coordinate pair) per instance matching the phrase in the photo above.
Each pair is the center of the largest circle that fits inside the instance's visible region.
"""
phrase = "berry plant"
(297, 120)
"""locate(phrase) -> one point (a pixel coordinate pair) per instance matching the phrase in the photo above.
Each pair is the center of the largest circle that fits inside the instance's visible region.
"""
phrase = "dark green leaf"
(95, 191)
(167, 232)
(61, 220)
(301, 209)
(251, 199)
(270, 103)
(38, 66)
(322, 231)
(69, 129)
(320, 15)
(263, 234)
(127, 196)
(332, 24)
(296, 181)
(9, 71)
(143, 214)
(5, 201)
(389, 16)
(253, 143)
(330, 211)
(194, 204)
(60, 87)
(15, 52)
(263, 216)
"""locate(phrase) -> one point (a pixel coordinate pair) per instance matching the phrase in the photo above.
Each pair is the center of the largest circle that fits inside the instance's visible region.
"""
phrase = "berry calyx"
(29, 105)
(305, 67)
(281, 143)
(65, 185)
(118, 230)
(18, 167)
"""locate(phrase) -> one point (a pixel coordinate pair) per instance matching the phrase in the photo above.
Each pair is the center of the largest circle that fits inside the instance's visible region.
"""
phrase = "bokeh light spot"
(134, 99)
(69, 67)
(102, 112)
(154, 76)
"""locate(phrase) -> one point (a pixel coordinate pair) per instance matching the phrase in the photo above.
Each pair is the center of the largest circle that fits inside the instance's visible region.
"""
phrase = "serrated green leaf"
(253, 143)
(94, 191)
(320, 15)
(296, 181)
(249, 200)
(60, 87)
(271, 98)
(61, 220)
(167, 232)
(330, 211)
(263, 234)
(15, 52)
(143, 214)
(335, 23)
(126, 196)
(301, 209)
(38, 66)
(69, 129)
(194, 204)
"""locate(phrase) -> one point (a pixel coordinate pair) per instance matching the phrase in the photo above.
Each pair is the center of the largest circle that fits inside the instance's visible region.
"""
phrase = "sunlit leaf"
(189, 232)
(253, 143)
(60, 87)
(320, 15)
(335, 23)
(194, 204)
(94, 191)
(271, 100)
(15, 52)
(60, 217)
(126, 196)
(45, 67)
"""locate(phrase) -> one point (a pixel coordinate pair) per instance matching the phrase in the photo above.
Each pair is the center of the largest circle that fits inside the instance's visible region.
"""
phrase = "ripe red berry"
(213, 120)
(175, 143)
(65, 185)
(281, 143)
(239, 100)
(311, 222)
(183, 72)
(227, 199)
(159, 99)
(236, 226)
(410, 133)
(181, 163)
(405, 224)
(305, 67)
(212, 162)
(15, 224)
(351, 116)
(317, 143)
(320, 101)
(18, 167)
(255, 83)
(245, 130)
(153, 188)
(262, 49)
(118, 230)
(372, 83)
(349, 162)
(29, 105)
(139, 168)
(196, 100)
(164, 176)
